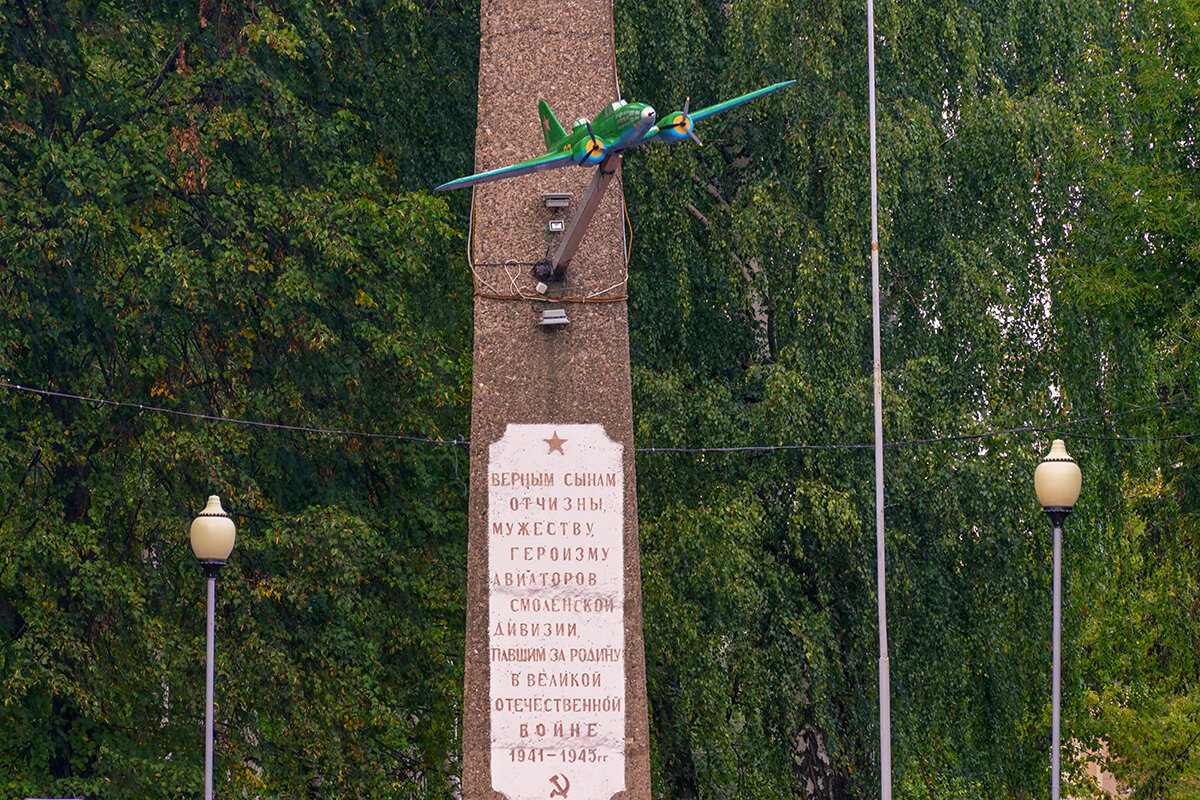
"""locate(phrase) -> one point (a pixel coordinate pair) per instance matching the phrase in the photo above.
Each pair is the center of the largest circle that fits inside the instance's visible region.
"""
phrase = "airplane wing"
(539, 164)
(737, 101)
(719, 107)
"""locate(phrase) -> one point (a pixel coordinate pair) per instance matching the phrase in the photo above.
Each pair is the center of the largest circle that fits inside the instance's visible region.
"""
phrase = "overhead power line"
(961, 437)
(1056, 429)
(232, 420)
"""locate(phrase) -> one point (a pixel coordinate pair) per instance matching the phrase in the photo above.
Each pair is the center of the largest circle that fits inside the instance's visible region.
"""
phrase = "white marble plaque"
(556, 613)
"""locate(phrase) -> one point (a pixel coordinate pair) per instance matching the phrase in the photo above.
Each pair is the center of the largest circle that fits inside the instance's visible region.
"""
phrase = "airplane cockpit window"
(579, 122)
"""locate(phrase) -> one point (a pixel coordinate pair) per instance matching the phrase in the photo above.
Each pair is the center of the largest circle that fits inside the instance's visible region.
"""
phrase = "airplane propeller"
(683, 122)
(593, 144)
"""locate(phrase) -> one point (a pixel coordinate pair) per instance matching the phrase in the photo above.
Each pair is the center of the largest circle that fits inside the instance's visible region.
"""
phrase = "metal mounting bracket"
(583, 215)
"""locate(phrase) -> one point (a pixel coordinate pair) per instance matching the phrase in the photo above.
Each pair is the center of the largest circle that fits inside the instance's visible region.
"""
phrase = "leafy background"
(222, 208)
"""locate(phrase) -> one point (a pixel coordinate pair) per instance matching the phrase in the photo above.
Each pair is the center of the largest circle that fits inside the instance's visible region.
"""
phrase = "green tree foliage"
(209, 207)
(751, 325)
(1133, 284)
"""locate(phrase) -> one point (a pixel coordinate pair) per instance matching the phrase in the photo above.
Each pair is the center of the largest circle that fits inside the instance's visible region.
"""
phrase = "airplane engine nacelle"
(675, 127)
(588, 151)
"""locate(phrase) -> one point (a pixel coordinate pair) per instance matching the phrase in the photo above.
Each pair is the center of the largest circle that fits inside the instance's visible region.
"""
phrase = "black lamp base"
(1057, 514)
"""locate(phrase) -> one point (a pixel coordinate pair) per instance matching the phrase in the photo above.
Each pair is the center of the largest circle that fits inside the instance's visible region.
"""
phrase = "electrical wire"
(491, 292)
(962, 437)
(233, 420)
(701, 450)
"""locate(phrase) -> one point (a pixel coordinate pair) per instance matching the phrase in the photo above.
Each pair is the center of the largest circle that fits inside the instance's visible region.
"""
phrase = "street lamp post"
(212, 533)
(1057, 482)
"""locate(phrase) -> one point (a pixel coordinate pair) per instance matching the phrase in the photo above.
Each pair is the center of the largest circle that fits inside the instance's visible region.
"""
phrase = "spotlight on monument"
(553, 317)
(557, 199)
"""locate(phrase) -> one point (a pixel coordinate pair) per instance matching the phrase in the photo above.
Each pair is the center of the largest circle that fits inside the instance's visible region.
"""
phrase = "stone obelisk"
(555, 697)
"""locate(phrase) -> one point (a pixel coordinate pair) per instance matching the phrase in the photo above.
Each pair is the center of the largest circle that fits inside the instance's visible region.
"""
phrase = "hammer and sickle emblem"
(559, 789)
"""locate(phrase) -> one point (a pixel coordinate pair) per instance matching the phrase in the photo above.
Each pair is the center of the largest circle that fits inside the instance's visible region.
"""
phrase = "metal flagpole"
(885, 691)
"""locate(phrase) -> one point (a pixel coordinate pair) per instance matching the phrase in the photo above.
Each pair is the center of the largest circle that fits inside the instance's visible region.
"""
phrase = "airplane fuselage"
(618, 122)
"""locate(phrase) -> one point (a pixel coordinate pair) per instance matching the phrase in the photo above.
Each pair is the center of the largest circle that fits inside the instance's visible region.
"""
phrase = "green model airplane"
(620, 126)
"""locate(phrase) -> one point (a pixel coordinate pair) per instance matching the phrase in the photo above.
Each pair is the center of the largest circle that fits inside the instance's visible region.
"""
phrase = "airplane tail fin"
(551, 130)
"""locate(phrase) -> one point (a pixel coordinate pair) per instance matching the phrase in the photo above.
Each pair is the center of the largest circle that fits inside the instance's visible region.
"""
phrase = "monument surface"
(556, 611)
(555, 699)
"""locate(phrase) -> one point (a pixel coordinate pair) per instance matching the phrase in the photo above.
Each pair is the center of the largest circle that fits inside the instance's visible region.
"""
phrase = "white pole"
(208, 697)
(885, 690)
(1057, 669)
